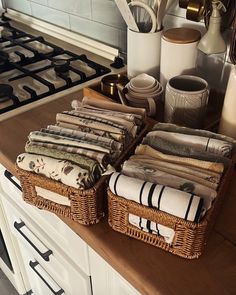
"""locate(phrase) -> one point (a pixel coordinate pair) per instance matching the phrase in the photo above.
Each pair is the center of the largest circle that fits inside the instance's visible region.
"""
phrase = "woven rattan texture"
(86, 206)
(190, 238)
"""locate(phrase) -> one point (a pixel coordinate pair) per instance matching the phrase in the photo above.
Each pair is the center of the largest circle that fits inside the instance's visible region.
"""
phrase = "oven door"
(4, 253)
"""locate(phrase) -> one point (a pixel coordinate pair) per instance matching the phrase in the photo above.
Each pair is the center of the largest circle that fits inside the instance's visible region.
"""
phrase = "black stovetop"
(32, 68)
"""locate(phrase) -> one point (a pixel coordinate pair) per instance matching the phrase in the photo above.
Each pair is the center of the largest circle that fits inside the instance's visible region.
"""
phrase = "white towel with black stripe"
(152, 227)
(164, 198)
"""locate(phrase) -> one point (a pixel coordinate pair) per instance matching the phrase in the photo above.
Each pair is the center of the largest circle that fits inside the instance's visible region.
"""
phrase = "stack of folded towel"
(78, 148)
(175, 169)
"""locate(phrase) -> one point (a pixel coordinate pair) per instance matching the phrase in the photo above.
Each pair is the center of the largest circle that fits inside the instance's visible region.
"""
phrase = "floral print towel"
(59, 170)
(84, 162)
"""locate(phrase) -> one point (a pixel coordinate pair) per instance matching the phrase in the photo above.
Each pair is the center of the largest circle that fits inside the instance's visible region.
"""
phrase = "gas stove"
(32, 68)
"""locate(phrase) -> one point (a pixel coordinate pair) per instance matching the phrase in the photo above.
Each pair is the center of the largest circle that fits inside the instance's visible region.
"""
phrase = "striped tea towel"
(169, 200)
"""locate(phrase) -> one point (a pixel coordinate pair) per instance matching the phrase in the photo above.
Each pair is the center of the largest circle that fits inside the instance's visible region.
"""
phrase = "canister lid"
(182, 35)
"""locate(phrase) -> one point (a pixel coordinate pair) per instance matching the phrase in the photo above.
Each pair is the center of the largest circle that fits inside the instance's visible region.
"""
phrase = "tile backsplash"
(97, 19)
(101, 20)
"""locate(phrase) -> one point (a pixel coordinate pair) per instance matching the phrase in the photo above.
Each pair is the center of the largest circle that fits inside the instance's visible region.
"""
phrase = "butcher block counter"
(150, 270)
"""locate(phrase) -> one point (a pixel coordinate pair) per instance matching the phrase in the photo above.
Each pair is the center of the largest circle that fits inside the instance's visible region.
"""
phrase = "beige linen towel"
(51, 138)
(147, 150)
(205, 177)
(95, 139)
(129, 126)
(89, 123)
(110, 135)
(91, 101)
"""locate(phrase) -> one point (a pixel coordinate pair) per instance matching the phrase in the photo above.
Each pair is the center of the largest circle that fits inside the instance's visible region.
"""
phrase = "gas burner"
(32, 68)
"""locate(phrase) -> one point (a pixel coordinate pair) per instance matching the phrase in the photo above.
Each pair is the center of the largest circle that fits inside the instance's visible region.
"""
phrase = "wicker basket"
(86, 206)
(190, 238)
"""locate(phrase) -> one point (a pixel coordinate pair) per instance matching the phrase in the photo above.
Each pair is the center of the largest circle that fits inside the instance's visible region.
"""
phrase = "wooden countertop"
(151, 270)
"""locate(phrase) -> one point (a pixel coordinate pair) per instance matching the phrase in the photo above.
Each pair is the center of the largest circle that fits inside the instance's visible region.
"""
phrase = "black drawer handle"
(9, 176)
(44, 255)
(33, 265)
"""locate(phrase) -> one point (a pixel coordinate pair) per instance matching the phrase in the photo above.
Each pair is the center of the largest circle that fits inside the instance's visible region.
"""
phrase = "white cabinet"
(51, 263)
(56, 260)
(52, 254)
(106, 280)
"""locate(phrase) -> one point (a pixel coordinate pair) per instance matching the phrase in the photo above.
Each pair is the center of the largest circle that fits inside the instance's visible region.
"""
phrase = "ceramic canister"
(228, 116)
(143, 53)
(178, 53)
(186, 101)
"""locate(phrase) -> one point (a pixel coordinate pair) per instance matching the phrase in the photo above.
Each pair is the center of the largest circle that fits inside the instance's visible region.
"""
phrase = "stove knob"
(61, 66)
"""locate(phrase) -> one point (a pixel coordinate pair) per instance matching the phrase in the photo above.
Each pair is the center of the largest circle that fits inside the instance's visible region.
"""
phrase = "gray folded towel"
(185, 130)
(196, 142)
(168, 147)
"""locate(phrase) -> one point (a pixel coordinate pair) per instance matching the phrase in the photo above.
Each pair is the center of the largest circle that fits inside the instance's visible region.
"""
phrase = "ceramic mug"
(186, 101)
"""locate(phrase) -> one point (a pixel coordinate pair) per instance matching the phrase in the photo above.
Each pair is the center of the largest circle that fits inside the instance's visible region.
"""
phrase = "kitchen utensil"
(161, 13)
(142, 82)
(109, 84)
(121, 94)
(127, 15)
(144, 91)
(154, 91)
(151, 14)
(195, 10)
(183, 3)
(186, 101)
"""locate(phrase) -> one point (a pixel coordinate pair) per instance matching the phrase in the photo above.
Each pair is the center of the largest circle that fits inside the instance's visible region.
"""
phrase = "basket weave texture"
(86, 206)
(190, 238)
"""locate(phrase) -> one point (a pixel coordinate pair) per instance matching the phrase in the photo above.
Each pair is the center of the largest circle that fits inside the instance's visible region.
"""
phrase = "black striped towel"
(164, 198)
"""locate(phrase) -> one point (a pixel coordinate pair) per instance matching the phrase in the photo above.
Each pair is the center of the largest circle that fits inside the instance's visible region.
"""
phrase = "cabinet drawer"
(47, 281)
(65, 270)
(55, 228)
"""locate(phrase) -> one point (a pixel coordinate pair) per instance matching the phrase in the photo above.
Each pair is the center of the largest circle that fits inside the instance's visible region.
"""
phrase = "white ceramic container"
(228, 116)
(143, 53)
(178, 53)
